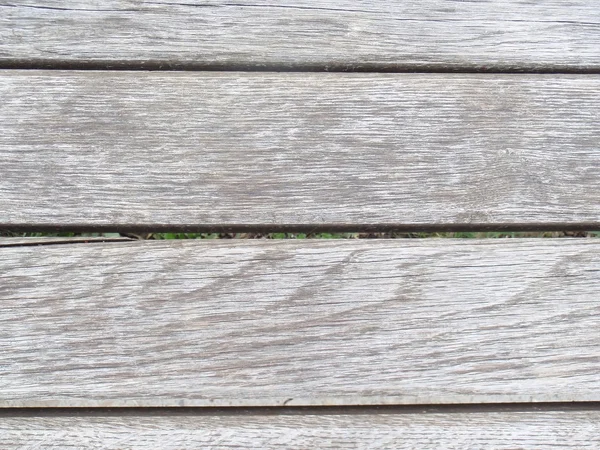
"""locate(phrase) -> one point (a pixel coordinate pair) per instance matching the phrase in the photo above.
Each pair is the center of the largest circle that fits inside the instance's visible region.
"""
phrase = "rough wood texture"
(299, 323)
(341, 34)
(124, 149)
(502, 430)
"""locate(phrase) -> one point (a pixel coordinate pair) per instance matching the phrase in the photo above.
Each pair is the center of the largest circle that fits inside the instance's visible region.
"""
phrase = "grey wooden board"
(124, 149)
(340, 34)
(264, 323)
(441, 430)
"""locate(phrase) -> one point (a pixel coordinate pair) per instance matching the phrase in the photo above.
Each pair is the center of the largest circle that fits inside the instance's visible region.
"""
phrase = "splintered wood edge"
(34, 241)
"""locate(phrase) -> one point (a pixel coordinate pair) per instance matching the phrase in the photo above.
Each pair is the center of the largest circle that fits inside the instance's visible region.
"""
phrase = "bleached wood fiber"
(143, 149)
(263, 323)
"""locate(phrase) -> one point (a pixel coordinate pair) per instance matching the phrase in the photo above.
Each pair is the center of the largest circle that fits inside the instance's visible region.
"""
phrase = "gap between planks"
(308, 228)
(301, 410)
(128, 66)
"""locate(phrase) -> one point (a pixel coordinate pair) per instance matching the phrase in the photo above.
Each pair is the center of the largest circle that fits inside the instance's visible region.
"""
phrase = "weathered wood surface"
(259, 323)
(125, 149)
(562, 428)
(341, 34)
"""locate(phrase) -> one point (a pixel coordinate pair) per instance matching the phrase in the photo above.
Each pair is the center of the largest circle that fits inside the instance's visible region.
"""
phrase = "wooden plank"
(210, 150)
(323, 34)
(266, 323)
(561, 428)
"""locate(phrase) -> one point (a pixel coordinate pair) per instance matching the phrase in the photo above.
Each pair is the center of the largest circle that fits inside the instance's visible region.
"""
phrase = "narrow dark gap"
(100, 236)
(565, 227)
(166, 65)
(300, 410)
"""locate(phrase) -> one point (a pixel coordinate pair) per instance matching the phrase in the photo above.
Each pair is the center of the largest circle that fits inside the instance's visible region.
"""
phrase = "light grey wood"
(568, 429)
(260, 323)
(119, 149)
(340, 34)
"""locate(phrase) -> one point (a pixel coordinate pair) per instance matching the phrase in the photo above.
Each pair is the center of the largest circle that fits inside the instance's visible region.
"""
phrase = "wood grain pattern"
(502, 430)
(260, 323)
(126, 149)
(325, 34)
